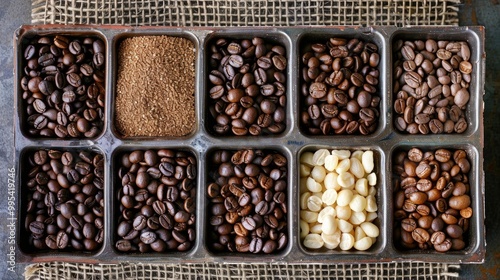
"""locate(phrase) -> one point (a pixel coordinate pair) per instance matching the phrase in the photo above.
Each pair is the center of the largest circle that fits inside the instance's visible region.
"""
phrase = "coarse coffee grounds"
(155, 86)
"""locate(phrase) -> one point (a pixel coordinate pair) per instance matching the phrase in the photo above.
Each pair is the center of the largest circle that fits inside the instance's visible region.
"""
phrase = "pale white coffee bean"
(371, 204)
(303, 184)
(358, 203)
(331, 241)
(344, 226)
(328, 210)
(314, 203)
(319, 156)
(370, 229)
(367, 160)
(329, 197)
(372, 179)
(318, 173)
(371, 216)
(343, 166)
(363, 244)
(331, 181)
(357, 154)
(316, 228)
(304, 170)
(307, 158)
(313, 241)
(357, 168)
(359, 233)
(343, 212)
(312, 185)
(344, 197)
(318, 194)
(346, 241)
(303, 200)
(331, 162)
(357, 218)
(346, 180)
(304, 228)
(361, 186)
(342, 154)
(329, 246)
(309, 216)
(329, 224)
(372, 191)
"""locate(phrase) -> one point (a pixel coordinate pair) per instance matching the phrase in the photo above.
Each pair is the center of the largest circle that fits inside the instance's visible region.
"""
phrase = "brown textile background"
(244, 13)
(247, 12)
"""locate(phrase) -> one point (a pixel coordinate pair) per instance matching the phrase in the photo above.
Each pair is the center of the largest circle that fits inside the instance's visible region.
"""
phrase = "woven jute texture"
(244, 13)
(385, 271)
(247, 13)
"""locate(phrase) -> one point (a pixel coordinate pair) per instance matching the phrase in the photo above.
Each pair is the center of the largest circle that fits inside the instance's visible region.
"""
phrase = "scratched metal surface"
(487, 13)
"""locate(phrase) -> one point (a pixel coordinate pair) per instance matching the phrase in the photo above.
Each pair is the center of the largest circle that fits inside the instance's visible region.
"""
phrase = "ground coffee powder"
(155, 86)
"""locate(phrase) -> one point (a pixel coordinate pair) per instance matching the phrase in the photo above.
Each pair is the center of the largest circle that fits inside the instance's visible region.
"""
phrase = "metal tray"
(291, 143)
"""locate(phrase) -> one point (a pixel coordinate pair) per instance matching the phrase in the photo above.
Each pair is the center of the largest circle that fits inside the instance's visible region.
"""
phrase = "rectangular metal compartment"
(384, 141)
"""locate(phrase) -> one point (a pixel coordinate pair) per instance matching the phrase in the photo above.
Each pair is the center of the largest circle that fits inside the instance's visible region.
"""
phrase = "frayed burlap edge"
(246, 12)
(384, 271)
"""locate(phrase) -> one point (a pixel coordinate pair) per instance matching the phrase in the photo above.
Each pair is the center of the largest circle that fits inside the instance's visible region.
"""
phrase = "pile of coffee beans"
(337, 200)
(339, 87)
(157, 201)
(432, 205)
(63, 86)
(431, 86)
(65, 200)
(247, 92)
(247, 195)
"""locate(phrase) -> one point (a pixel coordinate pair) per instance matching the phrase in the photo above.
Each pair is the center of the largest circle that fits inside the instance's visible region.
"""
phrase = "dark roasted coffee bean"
(51, 79)
(245, 199)
(246, 65)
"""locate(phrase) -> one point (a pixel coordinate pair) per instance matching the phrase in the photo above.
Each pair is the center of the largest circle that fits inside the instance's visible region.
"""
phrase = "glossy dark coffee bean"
(246, 73)
(52, 69)
(164, 202)
(244, 207)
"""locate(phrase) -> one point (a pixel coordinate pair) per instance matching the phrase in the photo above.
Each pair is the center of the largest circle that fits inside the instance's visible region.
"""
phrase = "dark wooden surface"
(487, 13)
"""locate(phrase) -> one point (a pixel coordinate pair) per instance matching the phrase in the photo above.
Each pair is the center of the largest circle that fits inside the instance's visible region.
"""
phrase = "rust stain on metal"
(473, 16)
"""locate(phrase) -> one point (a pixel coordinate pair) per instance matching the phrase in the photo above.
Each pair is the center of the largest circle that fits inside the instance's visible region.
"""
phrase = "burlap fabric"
(247, 13)
(244, 13)
(385, 271)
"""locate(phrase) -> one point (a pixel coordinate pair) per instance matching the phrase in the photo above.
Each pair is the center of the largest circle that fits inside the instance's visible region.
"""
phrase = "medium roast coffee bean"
(437, 85)
(244, 209)
(428, 208)
(340, 81)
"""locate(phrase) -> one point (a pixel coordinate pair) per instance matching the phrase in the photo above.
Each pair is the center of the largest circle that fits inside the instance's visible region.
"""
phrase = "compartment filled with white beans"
(338, 205)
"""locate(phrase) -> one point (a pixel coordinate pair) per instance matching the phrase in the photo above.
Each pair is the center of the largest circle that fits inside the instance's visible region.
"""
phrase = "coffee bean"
(435, 79)
(430, 208)
(349, 88)
(238, 209)
(163, 204)
(245, 85)
(51, 68)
